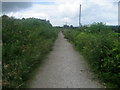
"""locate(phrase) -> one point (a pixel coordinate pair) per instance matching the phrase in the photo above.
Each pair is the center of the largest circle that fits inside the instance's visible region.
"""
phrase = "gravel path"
(64, 68)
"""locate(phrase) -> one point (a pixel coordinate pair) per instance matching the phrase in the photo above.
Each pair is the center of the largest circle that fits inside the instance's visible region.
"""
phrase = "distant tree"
(71, 26)
(66, 26)
(4, 16)
(48, 22)
(23, 18)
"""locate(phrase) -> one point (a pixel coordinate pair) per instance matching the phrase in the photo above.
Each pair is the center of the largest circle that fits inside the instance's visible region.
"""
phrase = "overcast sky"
(60, 12)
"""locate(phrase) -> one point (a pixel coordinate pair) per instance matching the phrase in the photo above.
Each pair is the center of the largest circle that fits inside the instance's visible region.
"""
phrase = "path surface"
(64, 68)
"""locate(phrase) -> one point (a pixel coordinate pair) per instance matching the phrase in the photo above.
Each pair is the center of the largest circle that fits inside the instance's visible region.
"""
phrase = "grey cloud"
(95, 13)
(15, 6)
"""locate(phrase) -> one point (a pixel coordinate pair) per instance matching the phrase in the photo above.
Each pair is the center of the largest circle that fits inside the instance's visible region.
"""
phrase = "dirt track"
(64, 68)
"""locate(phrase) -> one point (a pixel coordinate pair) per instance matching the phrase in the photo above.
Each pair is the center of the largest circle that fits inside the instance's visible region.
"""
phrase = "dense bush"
(101, 48)
(25, 43)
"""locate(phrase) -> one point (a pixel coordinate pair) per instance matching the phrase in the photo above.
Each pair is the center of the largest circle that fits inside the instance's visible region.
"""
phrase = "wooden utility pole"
(119, 13)
(80, 16)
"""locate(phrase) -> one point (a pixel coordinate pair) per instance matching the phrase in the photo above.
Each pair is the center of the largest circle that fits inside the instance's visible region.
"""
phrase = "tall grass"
(100, 46)
(25, 43)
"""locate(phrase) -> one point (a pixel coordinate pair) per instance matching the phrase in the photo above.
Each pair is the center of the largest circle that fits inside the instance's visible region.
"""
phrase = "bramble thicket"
(25, 43)
(100, 46)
